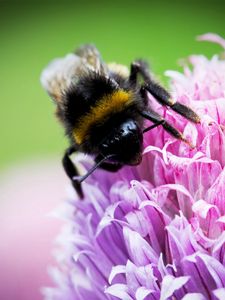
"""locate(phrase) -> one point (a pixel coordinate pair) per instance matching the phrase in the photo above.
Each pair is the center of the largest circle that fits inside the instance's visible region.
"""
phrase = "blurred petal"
(212, 37)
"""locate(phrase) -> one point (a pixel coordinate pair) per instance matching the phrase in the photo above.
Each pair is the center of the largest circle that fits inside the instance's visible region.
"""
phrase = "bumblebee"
(103, 108)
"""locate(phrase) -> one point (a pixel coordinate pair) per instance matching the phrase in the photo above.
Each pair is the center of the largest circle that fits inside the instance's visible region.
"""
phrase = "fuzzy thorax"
(106, 106)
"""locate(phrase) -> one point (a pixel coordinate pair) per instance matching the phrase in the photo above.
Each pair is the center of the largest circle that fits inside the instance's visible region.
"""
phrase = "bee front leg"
(77, 179)
(161, 95)
(165, 99)
(71, 170)
(154, 117)
(111, 167)
(139, 67)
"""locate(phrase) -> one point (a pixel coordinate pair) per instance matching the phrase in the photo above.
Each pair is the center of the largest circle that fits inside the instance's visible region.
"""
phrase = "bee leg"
(159, 120)
(160, 94)
(134, 70)
(152, 126)
(100, 160)
(72, 171)
(111, 167)
(139, 67)
(164, 98)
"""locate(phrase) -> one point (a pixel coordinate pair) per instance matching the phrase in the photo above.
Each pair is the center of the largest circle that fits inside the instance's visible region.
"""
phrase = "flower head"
(156, 231)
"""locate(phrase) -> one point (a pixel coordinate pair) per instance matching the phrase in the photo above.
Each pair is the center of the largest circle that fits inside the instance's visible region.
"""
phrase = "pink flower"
(156, 231)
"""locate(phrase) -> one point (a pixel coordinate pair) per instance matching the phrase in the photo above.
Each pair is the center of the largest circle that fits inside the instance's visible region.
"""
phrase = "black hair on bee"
(103, 108)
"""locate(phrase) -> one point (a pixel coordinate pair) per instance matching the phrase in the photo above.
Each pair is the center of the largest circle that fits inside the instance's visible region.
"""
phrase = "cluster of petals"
(156, 231)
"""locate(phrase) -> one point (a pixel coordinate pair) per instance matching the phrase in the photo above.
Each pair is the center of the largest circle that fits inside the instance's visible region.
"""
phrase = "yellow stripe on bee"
(111, 103)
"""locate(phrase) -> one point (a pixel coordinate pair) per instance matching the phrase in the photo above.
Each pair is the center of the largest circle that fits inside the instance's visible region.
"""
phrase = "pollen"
(104, 108)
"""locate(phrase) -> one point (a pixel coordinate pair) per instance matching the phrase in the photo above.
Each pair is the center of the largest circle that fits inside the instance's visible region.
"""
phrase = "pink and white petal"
(218, 250)
(211, 272)
(208, 216)
(219, 293)
(132, 278)
(163, 269)
(120, 291)
(140, 252)
(212, 37)
(181, 193)
(171, 284)
(185, 171)
(216, 193)
(221, 220)
(140, 277)
(194, 296)
(181, 241)
(119, 269)
(214, 136)
(142, 292)
(155, 222)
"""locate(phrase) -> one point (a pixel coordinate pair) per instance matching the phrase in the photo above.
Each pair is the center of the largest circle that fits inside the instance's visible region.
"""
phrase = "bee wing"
(58, 76)
(93, 58)
(119, 69)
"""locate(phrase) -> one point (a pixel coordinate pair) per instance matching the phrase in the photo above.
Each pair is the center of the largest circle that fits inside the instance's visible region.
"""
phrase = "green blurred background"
(32, 34)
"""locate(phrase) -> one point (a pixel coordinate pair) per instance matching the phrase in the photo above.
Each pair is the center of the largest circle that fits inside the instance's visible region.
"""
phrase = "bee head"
(125, 143)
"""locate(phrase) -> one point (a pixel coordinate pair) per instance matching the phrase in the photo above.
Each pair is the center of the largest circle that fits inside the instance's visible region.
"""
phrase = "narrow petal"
(170, 284)
(219, 293)
(142, 293)
(194, 296)
(212, 37)
(120, 291)
(119, 269)
(139, 250)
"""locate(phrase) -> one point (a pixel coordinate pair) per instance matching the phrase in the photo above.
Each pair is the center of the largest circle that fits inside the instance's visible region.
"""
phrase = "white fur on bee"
(60, 73)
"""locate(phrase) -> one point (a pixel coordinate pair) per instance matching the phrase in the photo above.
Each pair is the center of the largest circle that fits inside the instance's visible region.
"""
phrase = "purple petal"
(194, 296)
(170, 284)
(139, 250)
(120, 291)
(216, 193)
(218, 250)
(208, 272)
(119, 269)
(142, 293)
(219, 293)
(208, 215)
